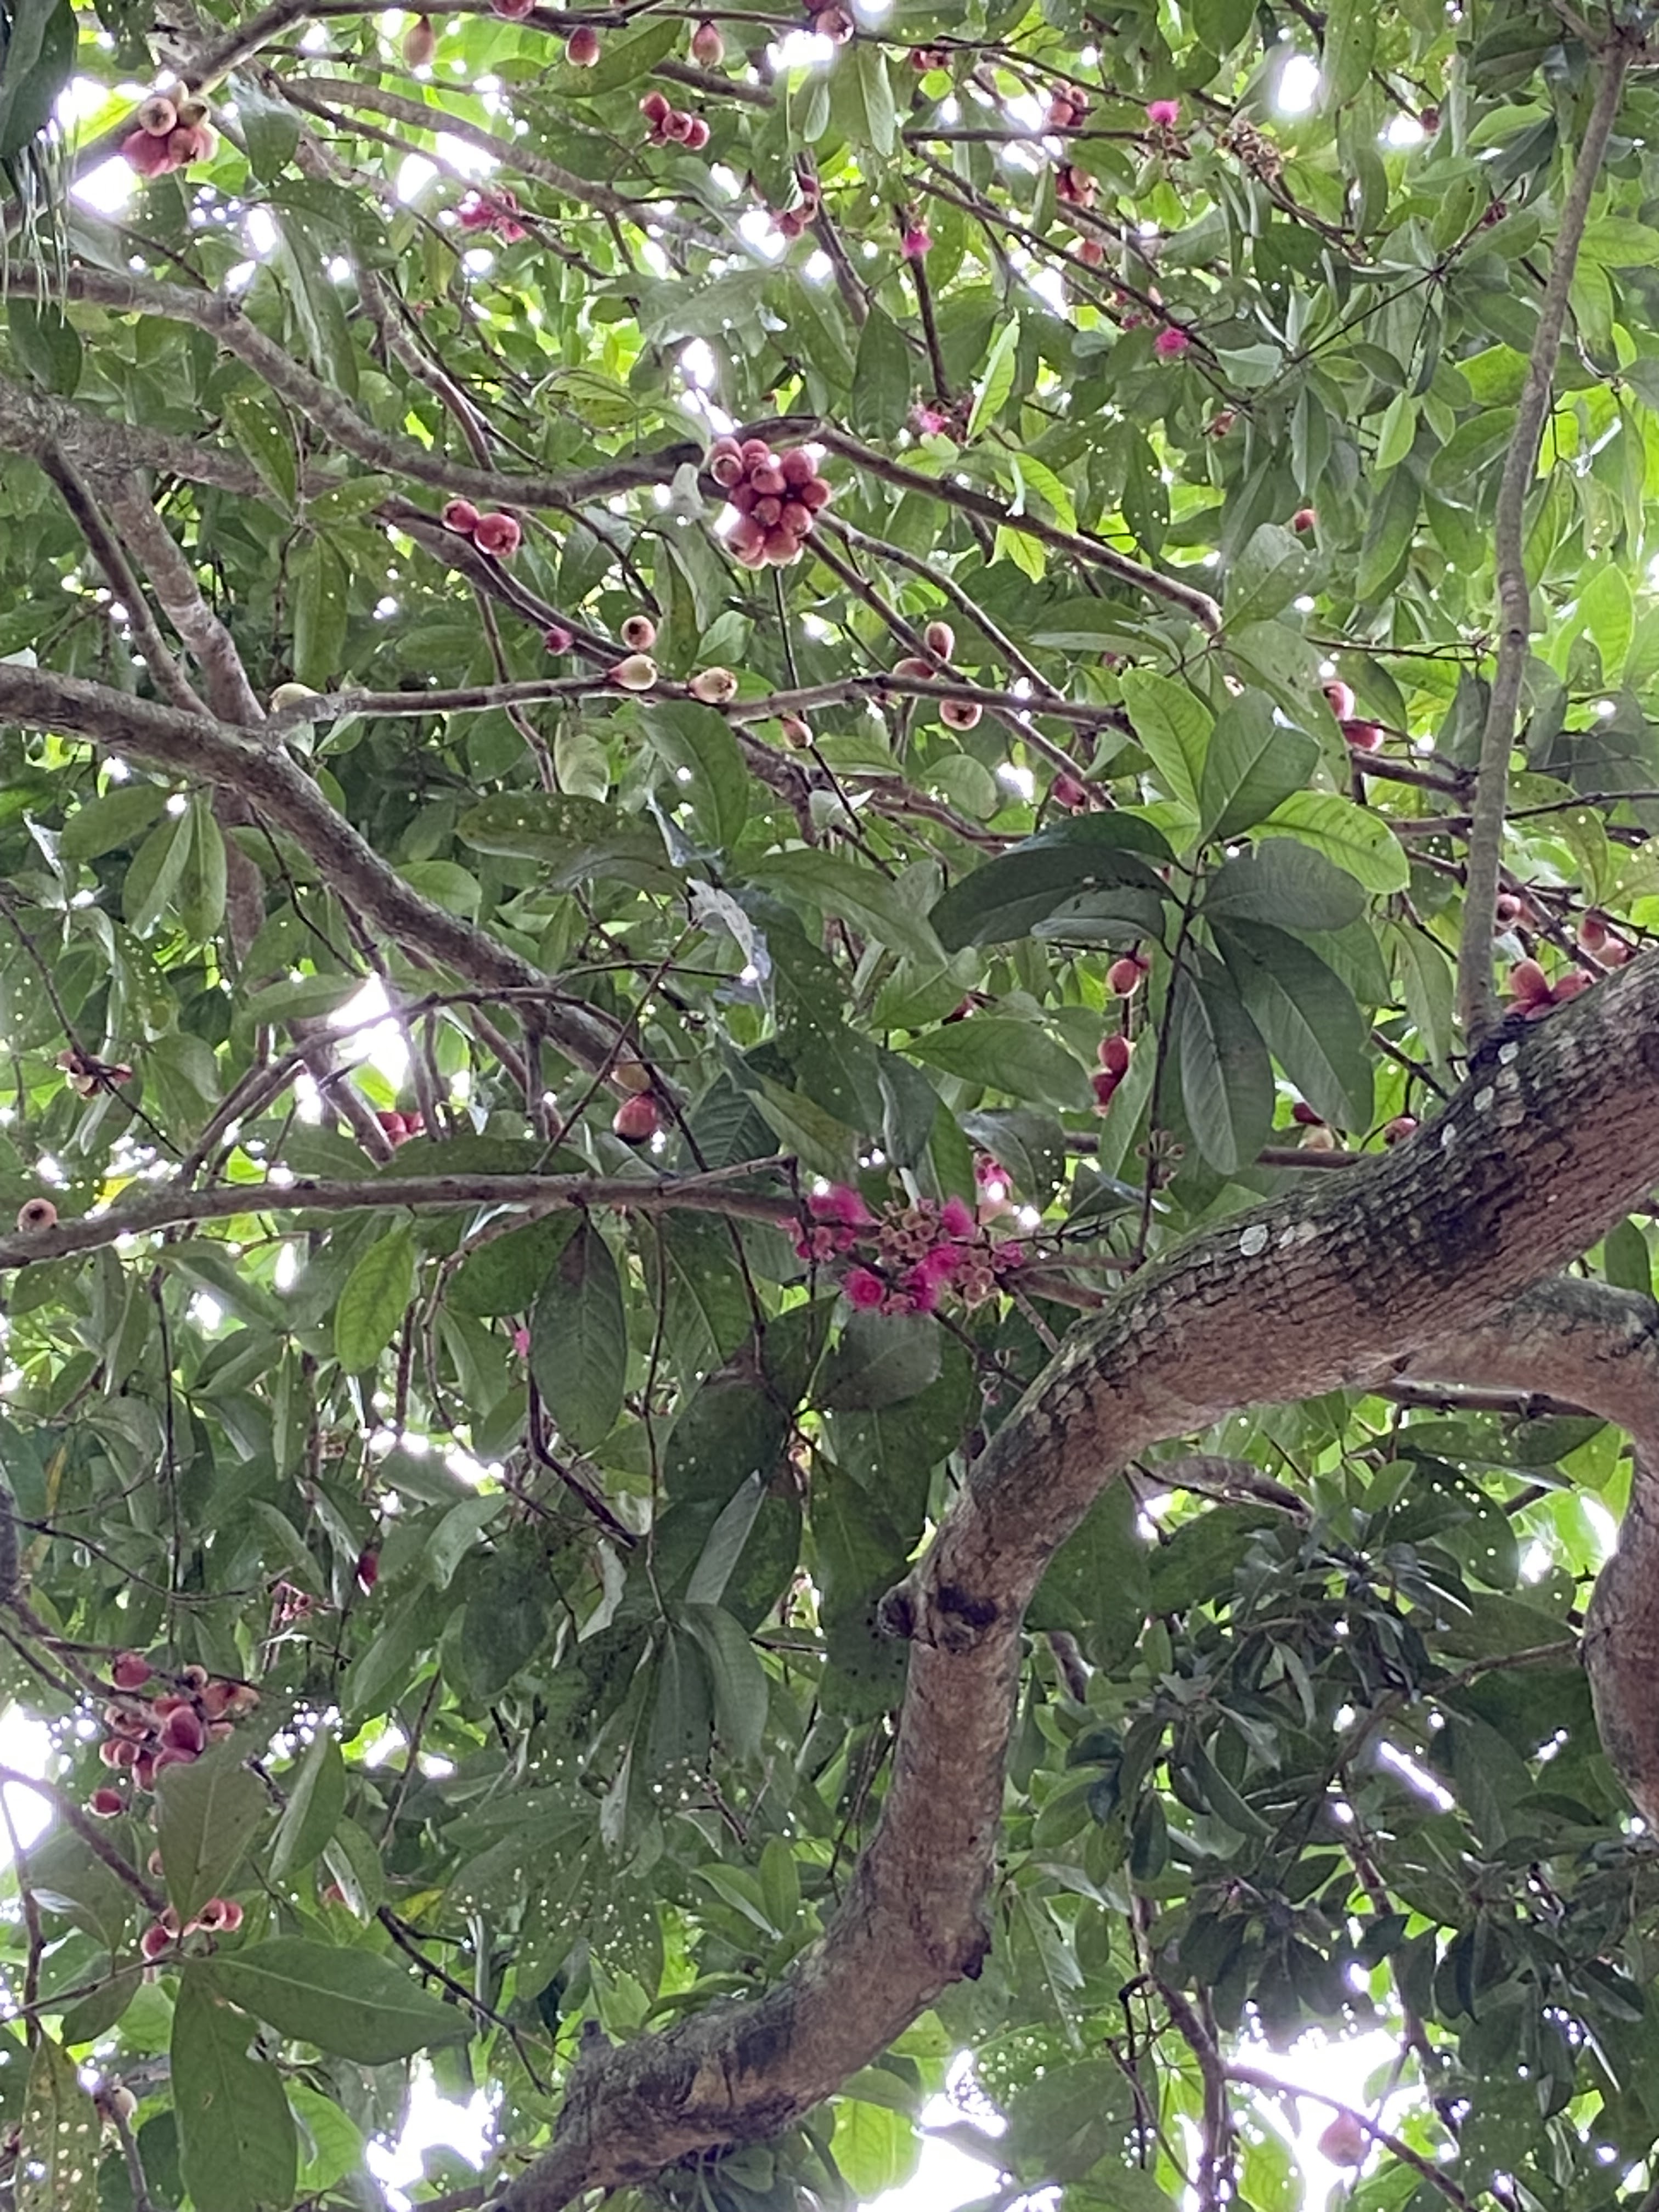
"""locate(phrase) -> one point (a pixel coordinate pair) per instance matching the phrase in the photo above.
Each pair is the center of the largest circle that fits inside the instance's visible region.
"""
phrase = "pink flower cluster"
(912, 1253)
(496, 212)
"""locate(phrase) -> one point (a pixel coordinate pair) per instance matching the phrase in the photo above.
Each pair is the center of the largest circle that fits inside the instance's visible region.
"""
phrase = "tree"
(786, 1295)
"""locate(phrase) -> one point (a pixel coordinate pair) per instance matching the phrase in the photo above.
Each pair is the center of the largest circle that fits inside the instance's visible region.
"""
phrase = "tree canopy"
(826, 873)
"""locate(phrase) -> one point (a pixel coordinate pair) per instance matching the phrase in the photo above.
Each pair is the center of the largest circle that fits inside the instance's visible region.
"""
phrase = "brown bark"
(1352, 1278)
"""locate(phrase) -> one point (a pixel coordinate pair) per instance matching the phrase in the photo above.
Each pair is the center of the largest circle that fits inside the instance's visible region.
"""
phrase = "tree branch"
(1346, 1281)
(1476, 998)
(236, 761)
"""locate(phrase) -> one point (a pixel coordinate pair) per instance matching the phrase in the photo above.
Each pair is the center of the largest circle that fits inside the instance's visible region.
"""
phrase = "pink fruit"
(1123, 976)
(192, 142)
(1529, 984)
(639, 633)
(1090, 252)
(513, 10)
(369, 1567)
(939, 639)
(1592, 932)
(460, 514)
(696, 137)
(155, 1941)
(1570, 985)
(769, 480)
(1169, 345)
(498, 535)
(581, 48)
(1066, 791)
(420, 42)
(637, 1120)
(1116, 1051)
(797, 466)
(220, 1916)
(130, 1670)
(1402, 1126)
(36, 1214)
(1163, 114)
(707, 47)
(960, 714)
(656, 109)
(107, 1803)
(1363, 736)
(556, 638)
(1344, 2142)
(1104, 1086)
(158, 116)
(184, 1730)
(150, 155)
(1304, 519)
(1339, 698)
(865, 1290)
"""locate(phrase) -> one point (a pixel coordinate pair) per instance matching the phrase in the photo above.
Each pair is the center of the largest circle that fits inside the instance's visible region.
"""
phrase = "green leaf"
(271, 131)
(208, 1813)
(1226, 1077)
(698, 747)
(59, 2134)
(506, 1622)
(373, 1300)
(883, 380)
(319, 586)
(736, 1676)
(117, 818)
(1284, 882)
(1041, 876)
(1173, 727)
(1350, 47)
(1307, 1017)
(46, 343)
(991, 390)
(157, 870)
(506, 1274)
(39, 62)
(852, 892)
(1065, 2121)
(1626, 1260)
(316, 1799)
(998, 1054)
(579, 1340)
(1267, 576)
(345, 2000)
(1397, 431)
(880, 1359)
(1350, 837)
(1253, 762)
(237, 2143)
(1098, 1582)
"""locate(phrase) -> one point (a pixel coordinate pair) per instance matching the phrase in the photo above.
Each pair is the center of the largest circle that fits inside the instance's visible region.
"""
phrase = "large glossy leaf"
(345, 2000)
(208, 1815)
(1226, 1077)
(237, 2143)
(579, 1338)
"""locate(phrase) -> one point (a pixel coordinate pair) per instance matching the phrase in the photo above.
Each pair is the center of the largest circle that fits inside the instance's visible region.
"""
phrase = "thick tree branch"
(238, 762)
(1476, 1000)
(1347, 1280)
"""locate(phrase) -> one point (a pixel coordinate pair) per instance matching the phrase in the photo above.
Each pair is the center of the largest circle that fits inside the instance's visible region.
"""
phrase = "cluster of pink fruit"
(400, 1127)
(940, 641)
(793, 222)
(673, 126)
(497, 211)
(1127, 973)
(776, 495)
(914, 1253)
(172, 1727)
(498, 535)
(1533, 994)
(170, 136)
(220, 1916)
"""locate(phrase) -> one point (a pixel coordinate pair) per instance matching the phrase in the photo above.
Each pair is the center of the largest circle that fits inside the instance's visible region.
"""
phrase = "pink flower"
(477, 212)
(921, 1292)
(1170, 344)
(1164, 115)
(521, 1342)
(1012, 1255)
(865, 1289)
(916, 243)
(842, 1204)
(928, 421)
(956, 1219)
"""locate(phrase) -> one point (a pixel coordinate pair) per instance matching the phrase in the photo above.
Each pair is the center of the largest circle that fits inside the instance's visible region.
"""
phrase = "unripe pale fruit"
(960, 714)
(158, 116)
(461, 514)
(35, 1214)
(121, 2100)
(1116, 1051)
(581, 48)
(130, 1670)
(794, 730)
(1123, 976)
(714, 686)
(1319, 1139)
(707, 47)
(637, 673)
(637, 1120)
(1508, 909)
(1304, 519)
(290, 695)
(631, 1075)
(939, 638)
(420, 42)
(1344, 2142)
(639, 633)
